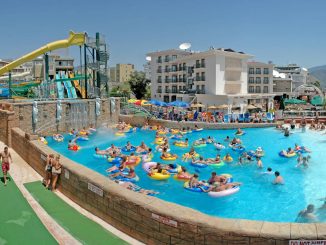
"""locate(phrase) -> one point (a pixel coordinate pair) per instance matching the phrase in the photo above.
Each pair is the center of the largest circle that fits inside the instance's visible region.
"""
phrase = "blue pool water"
(258, 198)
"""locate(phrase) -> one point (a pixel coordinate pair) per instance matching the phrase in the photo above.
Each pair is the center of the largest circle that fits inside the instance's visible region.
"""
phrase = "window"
(203, 89)
(159, 60)
(258, 80)
(180, 78)
(197, 63)
(266, 80)
(258, 89)
(159, 79)
(180, 88)
(197, 87)
(266, 71)
(174, 79)
(167, 69)
(258, 71)
(180, 67)
(202, 62)
(197, 76)
(167, 58)
(251, 89)
(265, 89)
(251, 80)
(203, 76)
(174, 57)
(174, 89)
(251, 71)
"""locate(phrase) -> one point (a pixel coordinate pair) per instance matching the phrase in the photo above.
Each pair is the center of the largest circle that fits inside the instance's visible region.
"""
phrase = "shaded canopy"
(178, 103)
(317, 100)
(294, 101)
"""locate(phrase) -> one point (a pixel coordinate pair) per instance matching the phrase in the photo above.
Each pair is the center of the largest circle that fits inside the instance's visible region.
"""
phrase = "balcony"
(167, 80)
(197, 65)
(198, 79)
(159, 60)
(167, 91)
(203, 78)
(184, 68)
(159, 91)
(167, 69)
(174, 80)
(159, 80)
(159, 70)
(167, 59)
(203, 65)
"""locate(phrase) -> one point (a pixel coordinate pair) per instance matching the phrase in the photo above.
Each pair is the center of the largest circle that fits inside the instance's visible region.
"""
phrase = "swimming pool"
(258, 198)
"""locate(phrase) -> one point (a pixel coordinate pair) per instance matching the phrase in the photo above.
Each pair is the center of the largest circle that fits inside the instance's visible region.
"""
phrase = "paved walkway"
(21, 174)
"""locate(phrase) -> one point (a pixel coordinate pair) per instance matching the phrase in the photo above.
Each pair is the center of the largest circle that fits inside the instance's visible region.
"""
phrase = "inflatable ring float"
(134, 163)
(229, 159)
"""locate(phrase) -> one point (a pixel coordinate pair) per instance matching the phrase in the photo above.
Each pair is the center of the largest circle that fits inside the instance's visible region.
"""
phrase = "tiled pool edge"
(132, 213)
(139, 121)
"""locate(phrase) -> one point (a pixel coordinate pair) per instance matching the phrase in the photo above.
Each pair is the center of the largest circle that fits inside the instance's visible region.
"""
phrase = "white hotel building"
(213, 77)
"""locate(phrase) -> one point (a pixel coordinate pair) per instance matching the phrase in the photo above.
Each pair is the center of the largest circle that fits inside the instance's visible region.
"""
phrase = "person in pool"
(148, 156)
(195, 183)
(165, 154)
(259, 151)
(239, 131)
(227, 139)
(113, 148)
(191, 154)
(72, 143)
(201, 141)
(301, 148)
(200, 160)
(216, 178)
(142, 148)
(122, 165)
(268, 172)
(184, 174)
(219, 146)
(100, 152)
(217, 186)
(304, 162)
(129, 146)
(307, 215)
(234, 141)
(259, 162)
(228, 157)
(278, 179)
(210, 140)
(215, 160)
(286, 132)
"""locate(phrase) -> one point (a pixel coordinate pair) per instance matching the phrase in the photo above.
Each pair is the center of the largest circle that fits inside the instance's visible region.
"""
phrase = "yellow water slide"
(78, 87)
(73, 39)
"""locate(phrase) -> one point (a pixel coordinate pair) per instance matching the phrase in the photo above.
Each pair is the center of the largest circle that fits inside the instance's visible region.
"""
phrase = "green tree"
(138, 84)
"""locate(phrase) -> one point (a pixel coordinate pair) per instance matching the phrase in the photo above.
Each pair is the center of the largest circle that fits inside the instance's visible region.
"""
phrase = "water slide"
(73, 39)
(72, 88)
(77, 86)
(60, 88)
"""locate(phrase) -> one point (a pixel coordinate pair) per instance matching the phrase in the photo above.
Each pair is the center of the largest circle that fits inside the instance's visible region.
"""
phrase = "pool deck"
(140, 121)
(43, 224)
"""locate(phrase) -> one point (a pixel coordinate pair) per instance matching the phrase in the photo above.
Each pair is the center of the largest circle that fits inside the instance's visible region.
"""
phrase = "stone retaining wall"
(150, 219)
(139, 121)
(20, 115)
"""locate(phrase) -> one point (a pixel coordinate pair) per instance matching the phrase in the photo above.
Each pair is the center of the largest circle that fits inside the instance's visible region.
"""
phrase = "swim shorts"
(5, 167)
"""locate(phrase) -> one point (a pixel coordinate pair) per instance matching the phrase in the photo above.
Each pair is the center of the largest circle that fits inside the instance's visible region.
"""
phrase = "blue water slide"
(67, 87)
(60, 88)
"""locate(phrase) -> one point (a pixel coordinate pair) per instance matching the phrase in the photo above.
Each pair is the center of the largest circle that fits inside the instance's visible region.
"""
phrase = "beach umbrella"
(294, 101)
(317, 100)
(178, 104)
(197, 105)
(224, 106)
(132, 101)
(251, 107)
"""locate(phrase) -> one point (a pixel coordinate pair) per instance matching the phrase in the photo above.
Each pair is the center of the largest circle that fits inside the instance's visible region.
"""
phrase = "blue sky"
(283, 31)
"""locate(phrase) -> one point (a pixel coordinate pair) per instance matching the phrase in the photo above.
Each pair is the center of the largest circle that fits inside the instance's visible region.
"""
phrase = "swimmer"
(191, 154)
(216, 178)
(278, 179)
(286, 132)
(184, 174)
(228, 157)
(195, 183)
(129, 146)
(239, 131)
(307, 215)
(227, 139)
(304, 162)
(133, 187)
(210, 140)
(142, 148)
(259, 162)
(219, 146)
(217, 159)
(72, 143)
(200, 160)
(259, 152)
(100, 152)
(268, 172)
(122, 165)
